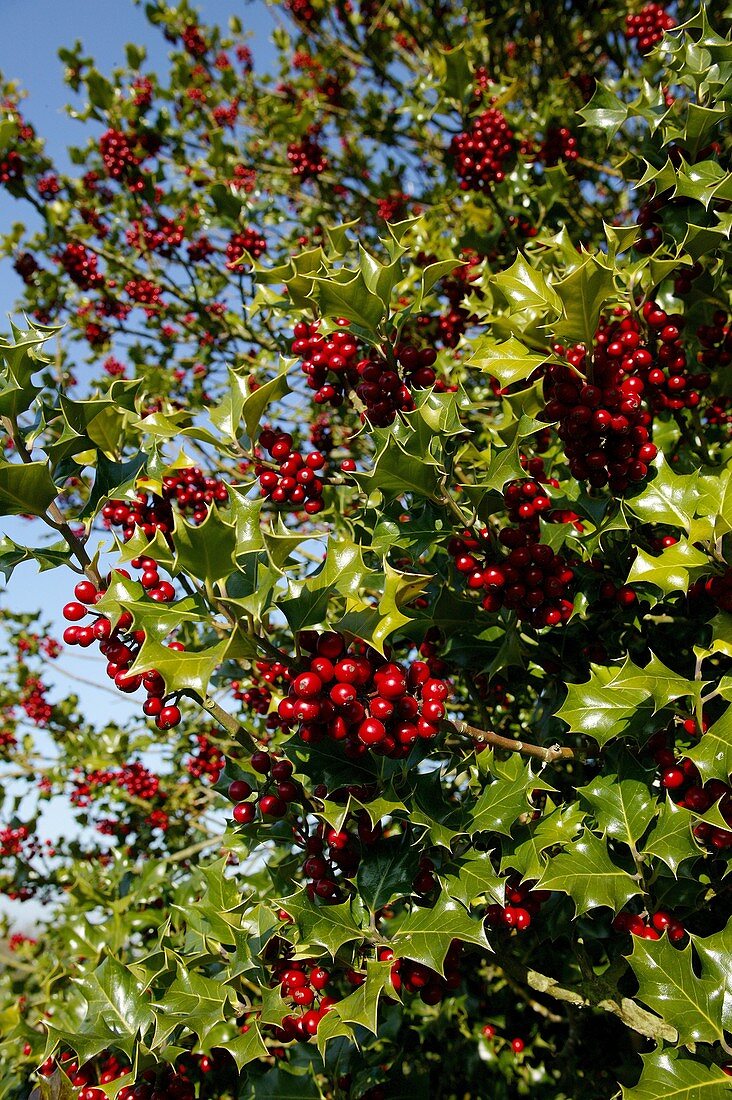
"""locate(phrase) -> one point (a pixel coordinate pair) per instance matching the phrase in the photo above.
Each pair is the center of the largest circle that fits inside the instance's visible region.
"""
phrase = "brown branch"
(548, 754)
(626, 1010)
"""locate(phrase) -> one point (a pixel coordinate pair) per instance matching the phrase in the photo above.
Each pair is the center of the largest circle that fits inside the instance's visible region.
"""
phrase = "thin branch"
(549, 754)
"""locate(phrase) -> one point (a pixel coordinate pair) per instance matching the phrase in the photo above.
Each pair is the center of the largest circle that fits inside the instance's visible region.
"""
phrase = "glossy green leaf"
(668, 986)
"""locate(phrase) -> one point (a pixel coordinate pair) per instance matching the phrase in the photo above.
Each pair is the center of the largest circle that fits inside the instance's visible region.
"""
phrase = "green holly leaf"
(396, 472)
(666, 498)
(181, 670)
(328, 926)
(601, 708)
(671, 1075)
(26, 489)
(475, 878)
(604, 112)
(715, 952)
(503, 801)
(193, 1002)
(386, 871)
(525, 288)
(671, 570)
(205, 552)
(621, 801)
(669, 987)
(426, 934)
(524, 852)
(118, 1011)
(247, 1047)
(351, 299)
(509, 361)
(583, 294)
(458, 78)
(713, 752)
(343, 573)
(671, 838)
(360, 1008)
(587, 873)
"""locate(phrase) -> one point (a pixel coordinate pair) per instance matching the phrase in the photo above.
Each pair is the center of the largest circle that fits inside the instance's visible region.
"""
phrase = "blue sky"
(32, 33)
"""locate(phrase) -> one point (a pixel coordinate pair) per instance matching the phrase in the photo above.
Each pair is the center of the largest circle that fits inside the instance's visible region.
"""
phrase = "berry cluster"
(355, 695)
(718, 588)
(647, 26)
(33, 701)
(296, 480)
(482, 153)
(334, 854)
(248, 241)
(382, 390)
(335, 355)
(650, 927)
(272, 798)
(259, 696)
(532, 580)
(193, 41)
(81, 266)
(206, 761)
(120, 160)
(669, 384)
(133, 778)
(192, 493)
(681, 778)
(120, 645)
(522, 906)
(414, 977)
(11, 167)
(598, 401)
(303, 984)
(307, 158)
(559, 144)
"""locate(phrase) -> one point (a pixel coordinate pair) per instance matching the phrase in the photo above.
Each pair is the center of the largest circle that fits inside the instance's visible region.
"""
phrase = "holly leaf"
(194, 1002)
(118, 1011)
(671, 1075)
(525, 851)
(181, 670)
(360, 1007)
(475, 878)
(589, 876)
(601, 708)
(504, 800)
(666, 498)
(509, 361)
(583, 294)
(713, 752)
(671, 570)
(247, 1047)
(669, 987)
(426, 934)
(328, 926)
(26, 489)
(205, 552)
(621, 801)
(671, 838)
(715, 952)
(386, 872)
(604, 112)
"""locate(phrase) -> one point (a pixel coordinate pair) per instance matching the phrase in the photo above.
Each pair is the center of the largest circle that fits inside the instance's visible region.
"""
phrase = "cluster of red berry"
(120, 645)
(188, 488)
(650, 927)
(273, 798)
(258, 696)
(193, 41)
(307, 158)
(81, 266)
(134, 778)
(332, 855)
(598, 401)
(647, 26)
(329, 362)
(532, 580)
(522, 906)
(12, 167)
(145, 292)
(716, 342)
(13, 840)
(296, 479)
(303, 984)
(670, 385)
(681, 778)
(303, 12)
(559, 144)
(247, 241)
(415, 977)
(384, 392)
(118, 155)
(33, 701)
(357, 696)
(206, 761)
(482, 154)
(718, 588)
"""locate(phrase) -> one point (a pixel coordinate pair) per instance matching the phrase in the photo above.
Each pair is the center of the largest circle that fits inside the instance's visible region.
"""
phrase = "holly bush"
(376, 407)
